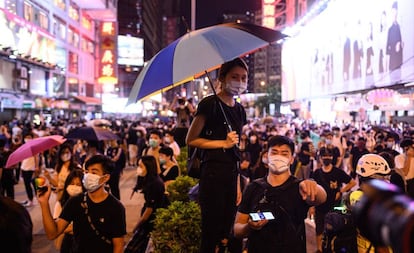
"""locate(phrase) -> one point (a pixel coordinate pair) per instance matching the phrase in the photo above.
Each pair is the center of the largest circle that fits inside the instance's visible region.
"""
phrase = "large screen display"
(130, 51)
(352, 45)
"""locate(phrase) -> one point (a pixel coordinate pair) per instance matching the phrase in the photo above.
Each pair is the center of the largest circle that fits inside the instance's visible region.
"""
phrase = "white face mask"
(91, 182)
(235, 87)
(278, 164)
(74, 190)
(65, 157)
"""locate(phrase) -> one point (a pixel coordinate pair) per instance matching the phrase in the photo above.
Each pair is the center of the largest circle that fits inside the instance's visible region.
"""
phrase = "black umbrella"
(92, 134)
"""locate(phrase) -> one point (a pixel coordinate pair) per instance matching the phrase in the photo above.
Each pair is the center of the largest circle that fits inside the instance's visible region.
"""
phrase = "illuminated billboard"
(352, 45)
(107, 50)
(130, 51)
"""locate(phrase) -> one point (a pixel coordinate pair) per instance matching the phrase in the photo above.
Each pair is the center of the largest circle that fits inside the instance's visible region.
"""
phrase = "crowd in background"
(347, 143)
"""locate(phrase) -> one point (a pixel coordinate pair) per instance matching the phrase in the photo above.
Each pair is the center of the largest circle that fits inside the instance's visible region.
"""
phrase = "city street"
(42, 245)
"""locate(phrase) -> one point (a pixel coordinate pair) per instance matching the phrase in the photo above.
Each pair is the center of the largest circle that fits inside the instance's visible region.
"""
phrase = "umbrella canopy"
(197, 52)
(92, 134)
(33, 147)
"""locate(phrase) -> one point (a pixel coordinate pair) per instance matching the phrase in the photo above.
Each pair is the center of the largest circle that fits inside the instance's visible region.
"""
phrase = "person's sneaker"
(28, 203)
(24, 202)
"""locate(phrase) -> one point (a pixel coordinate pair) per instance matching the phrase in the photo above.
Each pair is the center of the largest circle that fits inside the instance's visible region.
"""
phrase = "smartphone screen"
(262, 216)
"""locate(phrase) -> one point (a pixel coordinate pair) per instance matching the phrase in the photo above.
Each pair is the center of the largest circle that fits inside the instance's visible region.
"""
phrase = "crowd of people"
(292, 170)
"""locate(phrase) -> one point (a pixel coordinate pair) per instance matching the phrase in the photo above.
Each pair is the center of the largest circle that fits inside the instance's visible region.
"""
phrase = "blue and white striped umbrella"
(199, 51)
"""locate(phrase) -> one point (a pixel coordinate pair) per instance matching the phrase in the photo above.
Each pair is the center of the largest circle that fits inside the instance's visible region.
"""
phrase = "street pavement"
(132, 207)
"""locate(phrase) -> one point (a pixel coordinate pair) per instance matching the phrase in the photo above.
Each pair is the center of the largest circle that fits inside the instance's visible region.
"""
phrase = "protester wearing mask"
(98, 218)
(169, 168)
(357, 152)
(183, 112)
(337, 155)
(169, 141)
(154, 145)
(335, 182)
(65, 163)
(220, 155)
(72, 188)
(285, 196)
(254, 147)
(390, 145)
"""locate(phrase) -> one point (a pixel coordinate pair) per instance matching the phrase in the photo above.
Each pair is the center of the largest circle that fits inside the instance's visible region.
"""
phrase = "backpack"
(340, 233)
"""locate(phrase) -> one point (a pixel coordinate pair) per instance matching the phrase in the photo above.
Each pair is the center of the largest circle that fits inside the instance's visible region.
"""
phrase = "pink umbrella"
(33, 147)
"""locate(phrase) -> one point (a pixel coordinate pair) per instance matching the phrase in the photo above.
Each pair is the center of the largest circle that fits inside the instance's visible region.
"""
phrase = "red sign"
(107, 62)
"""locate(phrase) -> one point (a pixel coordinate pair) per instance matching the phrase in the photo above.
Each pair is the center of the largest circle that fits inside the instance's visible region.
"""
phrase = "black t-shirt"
(356, 154)
(215, 127)
(108, 217)
(171, 174)
(332, 182)
(120, 163)
(286, 233)
(303, 158)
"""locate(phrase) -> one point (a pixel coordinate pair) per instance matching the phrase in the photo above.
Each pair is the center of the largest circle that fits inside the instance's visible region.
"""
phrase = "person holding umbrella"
(215, 130)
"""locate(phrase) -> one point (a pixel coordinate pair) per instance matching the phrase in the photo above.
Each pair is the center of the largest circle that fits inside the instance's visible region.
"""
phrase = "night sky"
(209, 12)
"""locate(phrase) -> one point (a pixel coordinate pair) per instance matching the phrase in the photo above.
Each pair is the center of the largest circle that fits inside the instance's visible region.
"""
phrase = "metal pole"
(193, 15)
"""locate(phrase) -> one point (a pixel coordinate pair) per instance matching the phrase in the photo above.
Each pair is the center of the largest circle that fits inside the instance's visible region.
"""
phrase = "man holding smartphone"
(286, 197)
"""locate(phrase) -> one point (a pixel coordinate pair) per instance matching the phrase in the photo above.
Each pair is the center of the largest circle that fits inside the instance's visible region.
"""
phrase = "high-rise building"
(51, 55)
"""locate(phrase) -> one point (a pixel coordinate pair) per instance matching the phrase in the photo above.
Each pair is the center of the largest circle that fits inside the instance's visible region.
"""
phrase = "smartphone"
(40, 185)
(261, 216)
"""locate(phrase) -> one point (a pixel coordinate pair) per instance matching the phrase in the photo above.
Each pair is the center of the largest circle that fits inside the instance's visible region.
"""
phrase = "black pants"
(28, 183)
(7, 183)
(114, 184)
(218, 191)
(410, 187)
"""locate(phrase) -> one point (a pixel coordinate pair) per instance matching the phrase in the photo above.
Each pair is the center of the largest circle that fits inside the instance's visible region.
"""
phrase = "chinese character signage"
(268, 9)
(107, 54)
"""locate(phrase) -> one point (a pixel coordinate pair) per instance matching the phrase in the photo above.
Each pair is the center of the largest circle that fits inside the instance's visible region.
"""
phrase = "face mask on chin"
(278, 164)
(74, 190)
(91, 182)
(235, 87)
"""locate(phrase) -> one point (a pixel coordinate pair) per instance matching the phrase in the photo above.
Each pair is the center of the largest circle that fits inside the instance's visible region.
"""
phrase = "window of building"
(43, 20)
(28, 11)
(73, 37)
(60, 4)
(74, 12)
(59, 28)
(73, 63)
(86, 23)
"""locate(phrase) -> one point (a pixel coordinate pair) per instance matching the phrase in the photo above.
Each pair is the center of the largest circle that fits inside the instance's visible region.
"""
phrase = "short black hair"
(154, 131)
(279, 140)
(227, 66)
(324, 151)
(107, 165)
(166, 151)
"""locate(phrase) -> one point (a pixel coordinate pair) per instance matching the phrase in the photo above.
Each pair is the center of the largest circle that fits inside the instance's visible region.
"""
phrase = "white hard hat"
(371, 164)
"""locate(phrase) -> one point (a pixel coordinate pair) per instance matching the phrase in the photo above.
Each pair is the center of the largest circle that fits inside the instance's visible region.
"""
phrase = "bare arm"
(194, 140)
(118, 244)
(313, 193)
(52, 228)
(145, 216)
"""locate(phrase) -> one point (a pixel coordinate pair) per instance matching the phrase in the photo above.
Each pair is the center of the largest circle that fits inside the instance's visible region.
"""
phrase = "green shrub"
(178, 190)
(182, 160)
(177, 229)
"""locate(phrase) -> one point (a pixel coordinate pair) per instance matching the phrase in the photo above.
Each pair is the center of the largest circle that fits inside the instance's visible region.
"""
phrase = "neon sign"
(107, 63)
(268, 10)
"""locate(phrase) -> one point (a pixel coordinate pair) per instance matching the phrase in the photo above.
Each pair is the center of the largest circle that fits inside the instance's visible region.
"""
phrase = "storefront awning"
(88, 100)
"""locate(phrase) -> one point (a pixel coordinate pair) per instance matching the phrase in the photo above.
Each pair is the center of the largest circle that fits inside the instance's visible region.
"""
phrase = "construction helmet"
(371, 164)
